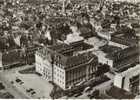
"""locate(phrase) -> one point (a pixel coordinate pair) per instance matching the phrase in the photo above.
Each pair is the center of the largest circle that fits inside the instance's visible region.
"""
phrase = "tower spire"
(63, 6)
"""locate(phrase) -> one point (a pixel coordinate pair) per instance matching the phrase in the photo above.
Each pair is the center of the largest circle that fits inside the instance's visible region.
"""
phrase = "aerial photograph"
(70, 49)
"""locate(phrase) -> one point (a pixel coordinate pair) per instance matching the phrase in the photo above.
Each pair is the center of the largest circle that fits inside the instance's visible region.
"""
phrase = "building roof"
(130, 71)
(110, 49)
(123, 40)
(79, 59)
(118, 93)
(125, 52)
(67, 55)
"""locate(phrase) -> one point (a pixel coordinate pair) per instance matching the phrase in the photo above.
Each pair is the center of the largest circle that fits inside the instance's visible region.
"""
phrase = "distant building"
(30, 53)
(132, 1)
(13, 57)
(1, 61)
(43, 63)
(65, 65)
(124, 40)
(10, 59)
(118, 56)
(129, 80)
(125, 58)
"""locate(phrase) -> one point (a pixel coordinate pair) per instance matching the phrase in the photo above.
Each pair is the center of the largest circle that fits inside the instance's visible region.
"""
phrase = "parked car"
(21, 83)
(29, 90)
(18, 80)
(33, 92)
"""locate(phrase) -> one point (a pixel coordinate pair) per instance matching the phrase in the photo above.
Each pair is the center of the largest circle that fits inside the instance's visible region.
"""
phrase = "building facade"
(1, 61)
(30, 53)
(43, 64)
(125, 57)
(129, 80)
(65, 66)
(10, 58)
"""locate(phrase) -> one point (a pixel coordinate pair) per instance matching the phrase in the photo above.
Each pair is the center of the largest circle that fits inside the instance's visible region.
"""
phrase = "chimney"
(63, 6)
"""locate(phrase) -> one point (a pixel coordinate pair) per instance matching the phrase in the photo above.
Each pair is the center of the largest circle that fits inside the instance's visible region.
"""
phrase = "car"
(18, 80)
(21, 83)
(29, 90)
(33, 92)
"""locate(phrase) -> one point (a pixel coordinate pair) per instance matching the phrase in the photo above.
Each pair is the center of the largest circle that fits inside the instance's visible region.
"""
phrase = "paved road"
(13, 90)
(102, 87)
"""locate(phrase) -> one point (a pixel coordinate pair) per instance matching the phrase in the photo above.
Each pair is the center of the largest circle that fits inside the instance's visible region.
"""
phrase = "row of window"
(61, 76)
(58, 70)
(59, 80)
(39, 68)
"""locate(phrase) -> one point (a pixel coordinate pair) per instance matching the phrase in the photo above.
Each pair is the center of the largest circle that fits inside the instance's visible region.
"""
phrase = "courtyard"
(31, 85)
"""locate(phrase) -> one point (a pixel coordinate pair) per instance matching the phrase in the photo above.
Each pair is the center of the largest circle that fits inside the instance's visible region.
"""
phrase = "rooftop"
(109, 48)
(118, 93)
(72, 48)
(68, 55)
(102, 48)
(131, 71)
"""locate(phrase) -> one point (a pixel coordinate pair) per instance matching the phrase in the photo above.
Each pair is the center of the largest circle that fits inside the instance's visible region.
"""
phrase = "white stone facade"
(59, 76)
(43, 67)
(1, 60)
(118, 80)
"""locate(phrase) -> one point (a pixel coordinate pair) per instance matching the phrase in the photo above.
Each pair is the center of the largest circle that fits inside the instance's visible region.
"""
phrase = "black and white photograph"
(70, 49)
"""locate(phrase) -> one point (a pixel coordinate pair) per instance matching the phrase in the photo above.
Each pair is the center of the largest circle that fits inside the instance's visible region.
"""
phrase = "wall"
(38, 64)
(127, 74)
(59, 76)
(133, 1)
(117, 45)
(75, 75)
(1, 60)
(44, 67)
(118, 81)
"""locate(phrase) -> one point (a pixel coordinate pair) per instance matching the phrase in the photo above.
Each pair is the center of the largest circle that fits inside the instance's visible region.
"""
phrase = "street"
(13, 90)
(10, 87)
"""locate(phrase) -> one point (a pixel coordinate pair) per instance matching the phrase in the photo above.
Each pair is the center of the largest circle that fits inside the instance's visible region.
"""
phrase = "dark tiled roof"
(67, 61)
(118, 93)
(80, 59)
(109, 49)
(132, 50)
(124, 40)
